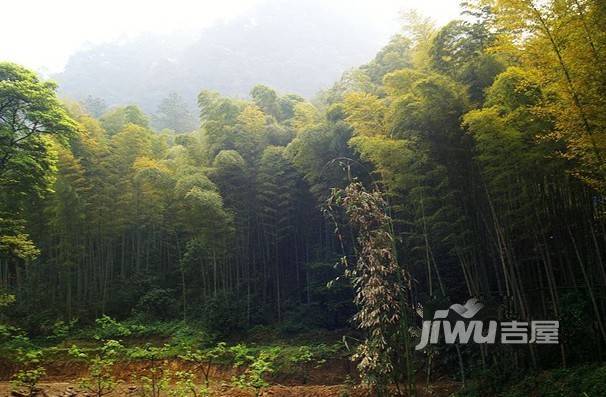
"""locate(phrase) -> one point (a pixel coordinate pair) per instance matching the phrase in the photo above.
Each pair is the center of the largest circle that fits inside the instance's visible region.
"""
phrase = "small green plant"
(31, 371)
(303, 357)
(13, 342)
(100, 380)
(185, 386)
(6, 299)
(61, 329)
(241, 355)
(152, 384)
(154, 381)
(186, 338)
(254, 375)
(28, 379)
(108, 328)
(204, 359)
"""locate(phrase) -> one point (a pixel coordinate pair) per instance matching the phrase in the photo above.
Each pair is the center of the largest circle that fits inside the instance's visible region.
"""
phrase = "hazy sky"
(41, 34)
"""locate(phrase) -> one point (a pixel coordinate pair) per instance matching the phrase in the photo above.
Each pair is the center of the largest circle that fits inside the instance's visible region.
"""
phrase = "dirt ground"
(68, 389)
(330, 380)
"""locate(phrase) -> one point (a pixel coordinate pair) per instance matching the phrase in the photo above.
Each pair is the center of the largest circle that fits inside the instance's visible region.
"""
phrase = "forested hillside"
(299, 47)
(462, 161)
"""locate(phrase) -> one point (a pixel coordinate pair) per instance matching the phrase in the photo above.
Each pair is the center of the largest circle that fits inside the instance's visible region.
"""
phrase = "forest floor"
(315, 363)
(332, 380)
(70, 389)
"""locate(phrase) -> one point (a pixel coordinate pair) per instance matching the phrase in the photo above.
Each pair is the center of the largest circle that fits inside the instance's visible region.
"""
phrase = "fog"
(139, 51)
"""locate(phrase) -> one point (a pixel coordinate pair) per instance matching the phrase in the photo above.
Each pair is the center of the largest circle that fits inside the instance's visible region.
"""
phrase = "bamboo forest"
(431, 223)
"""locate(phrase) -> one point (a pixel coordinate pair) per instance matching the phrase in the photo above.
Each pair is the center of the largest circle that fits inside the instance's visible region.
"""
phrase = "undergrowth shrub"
(254, 376)
(585, 381)
(100, 380)
(30, 372)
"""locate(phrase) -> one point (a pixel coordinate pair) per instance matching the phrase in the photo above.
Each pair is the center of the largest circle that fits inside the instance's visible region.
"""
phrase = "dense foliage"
(481, 145)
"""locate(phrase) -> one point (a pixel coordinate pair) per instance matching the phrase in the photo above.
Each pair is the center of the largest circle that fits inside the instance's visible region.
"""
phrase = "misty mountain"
(292, 47)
